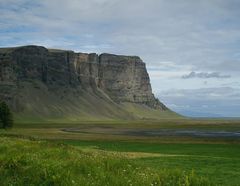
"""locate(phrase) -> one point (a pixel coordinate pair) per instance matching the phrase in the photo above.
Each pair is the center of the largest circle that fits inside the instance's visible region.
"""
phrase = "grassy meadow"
(45, 154)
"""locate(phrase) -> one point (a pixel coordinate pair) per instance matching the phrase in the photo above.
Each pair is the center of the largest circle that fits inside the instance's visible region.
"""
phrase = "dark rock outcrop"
(120, 78)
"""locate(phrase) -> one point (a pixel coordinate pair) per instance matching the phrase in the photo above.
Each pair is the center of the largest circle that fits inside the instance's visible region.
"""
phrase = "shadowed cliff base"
(53, 85)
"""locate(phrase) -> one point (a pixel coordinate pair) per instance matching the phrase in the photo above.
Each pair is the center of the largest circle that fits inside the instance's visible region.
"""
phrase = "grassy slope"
(145, 112)
(42, 105)
(69, 106)
(25, 162)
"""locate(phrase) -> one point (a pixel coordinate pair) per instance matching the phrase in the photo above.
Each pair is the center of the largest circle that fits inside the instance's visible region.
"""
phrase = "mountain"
(43, 84)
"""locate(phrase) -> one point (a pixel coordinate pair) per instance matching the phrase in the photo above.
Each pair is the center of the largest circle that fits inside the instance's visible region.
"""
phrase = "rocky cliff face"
(120, 78)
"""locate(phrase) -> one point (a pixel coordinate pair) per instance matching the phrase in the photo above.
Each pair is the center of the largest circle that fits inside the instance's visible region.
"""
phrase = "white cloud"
(204, 75)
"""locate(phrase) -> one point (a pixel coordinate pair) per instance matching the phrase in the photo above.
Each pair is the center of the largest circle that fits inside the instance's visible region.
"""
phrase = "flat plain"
(204, 152)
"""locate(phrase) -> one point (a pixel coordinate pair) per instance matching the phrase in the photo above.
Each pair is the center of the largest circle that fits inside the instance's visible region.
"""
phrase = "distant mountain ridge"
(51, 83)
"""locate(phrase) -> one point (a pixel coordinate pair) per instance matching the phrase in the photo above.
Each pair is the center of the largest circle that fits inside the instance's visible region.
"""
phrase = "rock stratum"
(40, 83)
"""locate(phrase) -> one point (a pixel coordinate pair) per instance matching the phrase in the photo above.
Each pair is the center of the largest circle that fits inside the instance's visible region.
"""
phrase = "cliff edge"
(50, 83)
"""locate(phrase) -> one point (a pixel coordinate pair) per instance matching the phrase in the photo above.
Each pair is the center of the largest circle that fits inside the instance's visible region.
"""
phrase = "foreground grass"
(218, 162)
(26, 162)
(106, 159)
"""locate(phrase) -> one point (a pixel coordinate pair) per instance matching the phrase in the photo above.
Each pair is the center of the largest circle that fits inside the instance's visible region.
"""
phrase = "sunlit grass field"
(25, 162)
(219, 163)
(43, 154)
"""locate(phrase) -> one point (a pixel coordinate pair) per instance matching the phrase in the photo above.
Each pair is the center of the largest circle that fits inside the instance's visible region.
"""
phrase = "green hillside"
(74, 105)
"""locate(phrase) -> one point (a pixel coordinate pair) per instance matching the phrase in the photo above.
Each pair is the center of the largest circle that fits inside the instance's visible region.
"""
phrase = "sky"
(191, 48)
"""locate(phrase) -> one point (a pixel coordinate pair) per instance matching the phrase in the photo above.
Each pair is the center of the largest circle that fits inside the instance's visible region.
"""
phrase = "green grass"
(212, 150)
(164, 123)
(170, 160)
(25, 162)
(218, 162)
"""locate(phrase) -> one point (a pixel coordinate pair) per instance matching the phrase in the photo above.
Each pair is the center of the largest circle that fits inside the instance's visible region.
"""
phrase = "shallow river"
(155, 132)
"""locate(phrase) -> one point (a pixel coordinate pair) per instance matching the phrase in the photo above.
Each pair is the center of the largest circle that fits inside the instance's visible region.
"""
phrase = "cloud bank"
(173, 37)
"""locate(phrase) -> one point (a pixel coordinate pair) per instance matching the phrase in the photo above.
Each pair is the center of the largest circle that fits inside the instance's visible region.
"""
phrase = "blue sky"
(191, 48)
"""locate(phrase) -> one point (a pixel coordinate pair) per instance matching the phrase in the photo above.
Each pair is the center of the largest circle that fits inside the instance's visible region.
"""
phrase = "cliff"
(35, 80)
